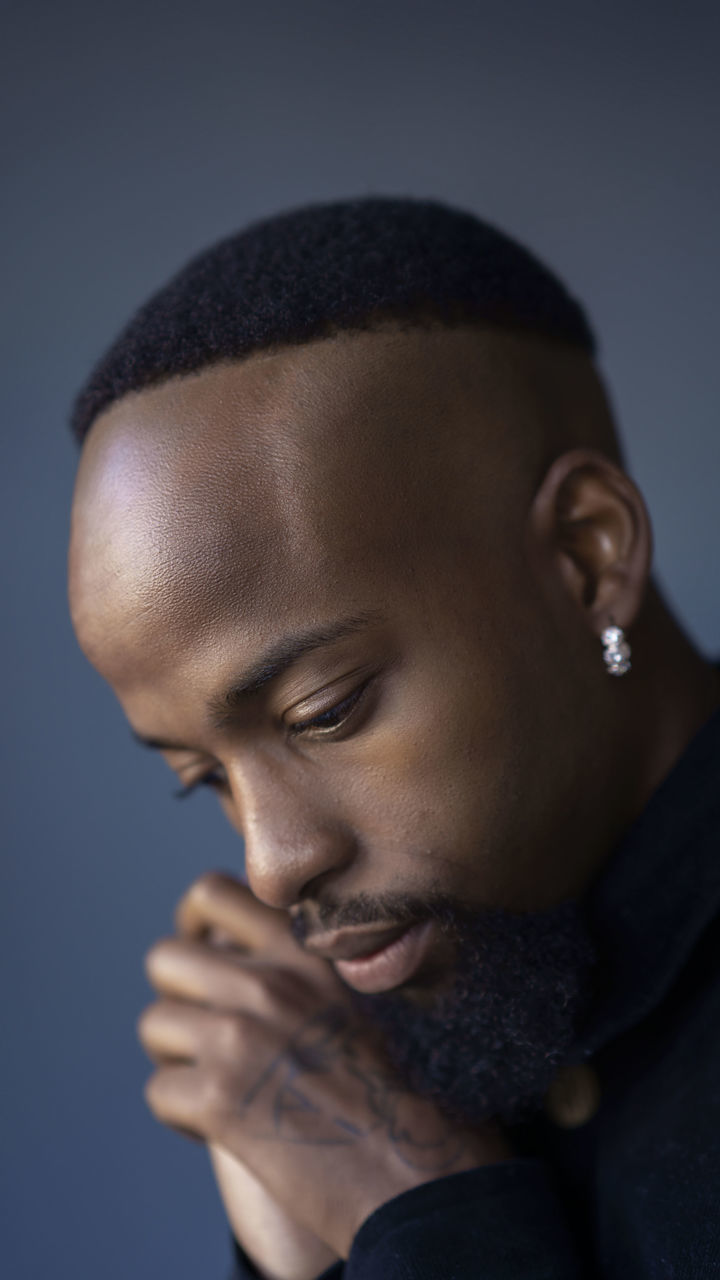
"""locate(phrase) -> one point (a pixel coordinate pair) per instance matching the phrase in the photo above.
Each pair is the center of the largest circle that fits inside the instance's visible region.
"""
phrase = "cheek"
(431, 789)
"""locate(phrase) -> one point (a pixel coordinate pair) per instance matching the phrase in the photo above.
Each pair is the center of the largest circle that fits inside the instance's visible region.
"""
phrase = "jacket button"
(573, 1097)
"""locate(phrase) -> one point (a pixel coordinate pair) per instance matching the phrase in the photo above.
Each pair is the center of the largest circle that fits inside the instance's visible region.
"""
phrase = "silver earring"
(616, 651)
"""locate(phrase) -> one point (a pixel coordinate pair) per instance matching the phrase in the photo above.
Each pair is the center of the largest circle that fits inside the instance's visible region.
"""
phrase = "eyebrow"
(273, 663)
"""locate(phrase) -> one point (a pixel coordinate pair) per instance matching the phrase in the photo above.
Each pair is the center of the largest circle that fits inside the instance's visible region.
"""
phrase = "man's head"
(357, 571)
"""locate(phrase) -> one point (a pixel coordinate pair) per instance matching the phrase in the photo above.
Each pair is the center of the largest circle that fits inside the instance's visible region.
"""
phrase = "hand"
(213, 911)
(279, 1247)
(273, 1065)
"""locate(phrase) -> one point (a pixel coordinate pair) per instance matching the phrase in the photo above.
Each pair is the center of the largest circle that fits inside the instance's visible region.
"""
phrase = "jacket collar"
(658, 893)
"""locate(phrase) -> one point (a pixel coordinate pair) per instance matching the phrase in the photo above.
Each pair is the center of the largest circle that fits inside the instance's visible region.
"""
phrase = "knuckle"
(216, 1095)
(284, 989)
(206, 888)
(268, 996)
(158, 955)
(260, 997)
(152, 1093)
(144, 1024)
(231, 1036)
(198, 900)
(273, 994)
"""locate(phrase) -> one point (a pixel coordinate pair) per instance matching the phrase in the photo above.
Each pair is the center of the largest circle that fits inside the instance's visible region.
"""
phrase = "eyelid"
(205, 780)
(300, 728)
(329, 695)
(308, 726)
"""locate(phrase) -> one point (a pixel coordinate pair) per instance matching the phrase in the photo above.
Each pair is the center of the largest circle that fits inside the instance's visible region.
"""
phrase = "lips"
(372, 962)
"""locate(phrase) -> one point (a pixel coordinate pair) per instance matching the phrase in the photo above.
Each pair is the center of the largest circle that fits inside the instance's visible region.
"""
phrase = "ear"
(590, 525)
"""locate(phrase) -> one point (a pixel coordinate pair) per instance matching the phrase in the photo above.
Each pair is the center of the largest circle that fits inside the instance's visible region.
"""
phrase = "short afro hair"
(319, 270)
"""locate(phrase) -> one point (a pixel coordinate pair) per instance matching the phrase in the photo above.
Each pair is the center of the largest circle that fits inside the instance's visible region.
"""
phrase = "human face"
(308, 577)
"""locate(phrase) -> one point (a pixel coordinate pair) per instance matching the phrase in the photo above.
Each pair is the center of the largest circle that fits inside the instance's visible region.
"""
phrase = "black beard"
(489, 1045)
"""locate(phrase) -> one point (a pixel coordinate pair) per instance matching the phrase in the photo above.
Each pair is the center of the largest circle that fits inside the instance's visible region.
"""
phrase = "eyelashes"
(325, 724)
(333, 717)
(207, 780)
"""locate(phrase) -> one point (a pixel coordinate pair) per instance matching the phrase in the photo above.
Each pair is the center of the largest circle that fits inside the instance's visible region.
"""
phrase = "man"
(353, 544)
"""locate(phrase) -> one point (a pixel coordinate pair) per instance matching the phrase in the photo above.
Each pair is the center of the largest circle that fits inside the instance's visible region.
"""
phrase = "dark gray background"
(136, 134)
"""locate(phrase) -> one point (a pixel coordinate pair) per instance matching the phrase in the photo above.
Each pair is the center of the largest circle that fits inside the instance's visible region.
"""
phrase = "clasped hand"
(260, 1052)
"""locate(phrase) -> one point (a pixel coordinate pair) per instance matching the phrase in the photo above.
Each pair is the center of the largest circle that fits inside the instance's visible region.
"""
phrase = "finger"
(217, 903)
(171, 1030)
(177, 1097)
(206, 1101)
(194, 971)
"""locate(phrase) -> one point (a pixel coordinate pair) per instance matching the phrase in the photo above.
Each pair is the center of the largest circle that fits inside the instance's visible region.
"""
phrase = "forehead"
(255, 488)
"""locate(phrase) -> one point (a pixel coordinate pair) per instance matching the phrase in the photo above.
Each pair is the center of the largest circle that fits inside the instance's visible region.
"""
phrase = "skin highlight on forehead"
(262, 479)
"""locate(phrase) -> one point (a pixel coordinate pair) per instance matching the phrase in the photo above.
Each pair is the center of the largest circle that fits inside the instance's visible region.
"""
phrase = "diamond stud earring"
(616, 651)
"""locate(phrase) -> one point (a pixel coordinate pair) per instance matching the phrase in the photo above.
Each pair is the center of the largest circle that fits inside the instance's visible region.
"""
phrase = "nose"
(292, 839)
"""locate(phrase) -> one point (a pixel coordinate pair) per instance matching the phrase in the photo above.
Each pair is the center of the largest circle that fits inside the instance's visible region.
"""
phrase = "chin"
(484, 1035)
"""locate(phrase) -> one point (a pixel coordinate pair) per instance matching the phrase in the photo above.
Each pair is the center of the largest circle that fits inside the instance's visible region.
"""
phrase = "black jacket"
(633, 1193)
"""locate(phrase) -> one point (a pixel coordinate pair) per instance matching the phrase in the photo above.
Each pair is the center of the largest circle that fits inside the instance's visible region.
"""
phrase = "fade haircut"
(326, 268)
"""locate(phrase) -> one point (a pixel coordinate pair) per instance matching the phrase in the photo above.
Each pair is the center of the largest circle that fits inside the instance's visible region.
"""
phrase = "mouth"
(372, 962)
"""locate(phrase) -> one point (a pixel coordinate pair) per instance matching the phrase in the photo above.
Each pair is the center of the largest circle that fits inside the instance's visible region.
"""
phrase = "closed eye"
(211, 779)
(333, 718)
(323, 725)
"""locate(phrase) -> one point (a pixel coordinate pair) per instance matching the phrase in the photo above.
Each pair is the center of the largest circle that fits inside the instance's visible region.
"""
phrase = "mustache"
(390, 910)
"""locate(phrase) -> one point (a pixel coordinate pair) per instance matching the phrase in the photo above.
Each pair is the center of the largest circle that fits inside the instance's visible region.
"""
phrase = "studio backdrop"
(135, 135)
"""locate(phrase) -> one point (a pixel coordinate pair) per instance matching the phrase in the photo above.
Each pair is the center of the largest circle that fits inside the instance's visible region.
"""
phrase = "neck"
(677, 691)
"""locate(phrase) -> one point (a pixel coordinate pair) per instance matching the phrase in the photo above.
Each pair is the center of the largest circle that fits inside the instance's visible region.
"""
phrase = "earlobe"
(595, 531)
